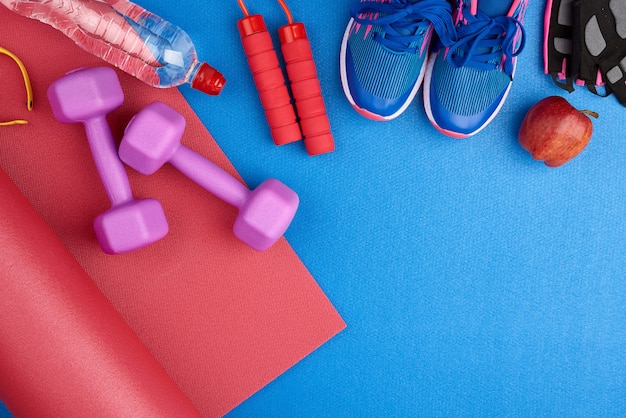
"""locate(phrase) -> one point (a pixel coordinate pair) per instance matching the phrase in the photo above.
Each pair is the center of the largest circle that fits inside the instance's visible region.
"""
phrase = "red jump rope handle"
(269, 80)
(306, 89)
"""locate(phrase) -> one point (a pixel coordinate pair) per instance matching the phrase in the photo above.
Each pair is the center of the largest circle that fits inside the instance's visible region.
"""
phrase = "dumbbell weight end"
(130, 226)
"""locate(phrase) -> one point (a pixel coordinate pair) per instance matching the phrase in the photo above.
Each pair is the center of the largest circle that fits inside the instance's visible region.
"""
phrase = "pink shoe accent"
(369, 115)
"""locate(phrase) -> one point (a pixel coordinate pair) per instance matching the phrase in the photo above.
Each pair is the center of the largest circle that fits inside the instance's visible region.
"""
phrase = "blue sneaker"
(467, 83)
(384, 51)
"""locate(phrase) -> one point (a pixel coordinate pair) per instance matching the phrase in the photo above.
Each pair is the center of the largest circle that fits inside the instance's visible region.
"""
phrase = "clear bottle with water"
(128, 37)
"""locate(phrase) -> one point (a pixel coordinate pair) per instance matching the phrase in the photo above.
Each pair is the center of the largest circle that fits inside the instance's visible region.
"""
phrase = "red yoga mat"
(64, 350)
(222, 319)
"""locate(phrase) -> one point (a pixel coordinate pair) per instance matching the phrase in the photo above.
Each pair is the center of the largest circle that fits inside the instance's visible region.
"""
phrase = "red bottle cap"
(208, 80)
(292, 32)
(250, 25)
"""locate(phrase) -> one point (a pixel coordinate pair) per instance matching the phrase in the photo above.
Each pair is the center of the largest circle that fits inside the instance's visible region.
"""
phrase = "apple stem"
(590, 113)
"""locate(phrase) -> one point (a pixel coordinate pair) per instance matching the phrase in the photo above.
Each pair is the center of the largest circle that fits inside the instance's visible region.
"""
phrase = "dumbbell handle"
(110, 168)
(209, 176)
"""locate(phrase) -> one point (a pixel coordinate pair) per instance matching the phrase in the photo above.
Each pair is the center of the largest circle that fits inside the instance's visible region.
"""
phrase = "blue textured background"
(474, 280)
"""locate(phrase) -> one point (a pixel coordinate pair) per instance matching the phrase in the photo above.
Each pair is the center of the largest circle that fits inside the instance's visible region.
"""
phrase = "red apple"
(555, 131)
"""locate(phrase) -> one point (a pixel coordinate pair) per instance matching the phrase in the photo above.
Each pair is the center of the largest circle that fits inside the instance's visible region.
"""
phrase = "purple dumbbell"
(86, 96)
(153, 137)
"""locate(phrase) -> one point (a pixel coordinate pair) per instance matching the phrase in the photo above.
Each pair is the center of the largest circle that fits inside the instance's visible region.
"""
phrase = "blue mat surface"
(474, 280)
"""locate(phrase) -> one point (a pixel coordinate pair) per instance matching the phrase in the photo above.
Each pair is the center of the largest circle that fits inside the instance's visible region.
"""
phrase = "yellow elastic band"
(29, 89)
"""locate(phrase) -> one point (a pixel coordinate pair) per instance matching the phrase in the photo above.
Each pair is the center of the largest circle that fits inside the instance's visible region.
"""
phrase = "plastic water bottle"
(128, 37)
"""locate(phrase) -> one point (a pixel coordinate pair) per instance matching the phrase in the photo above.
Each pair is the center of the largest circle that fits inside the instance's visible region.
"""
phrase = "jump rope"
(311, 121)
(289, 121)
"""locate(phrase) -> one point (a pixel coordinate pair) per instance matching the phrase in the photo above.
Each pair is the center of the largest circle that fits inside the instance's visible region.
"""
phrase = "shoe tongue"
(406, 31)
(494, 8)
